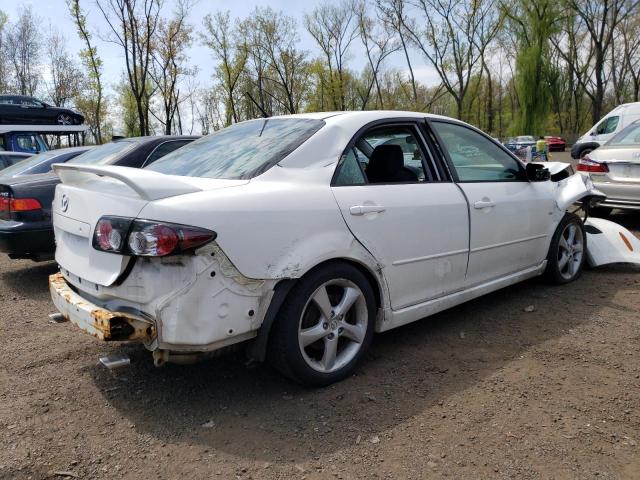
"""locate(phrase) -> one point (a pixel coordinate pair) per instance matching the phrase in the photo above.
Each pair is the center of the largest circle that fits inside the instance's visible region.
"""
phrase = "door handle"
(484, 204)
(363, 209)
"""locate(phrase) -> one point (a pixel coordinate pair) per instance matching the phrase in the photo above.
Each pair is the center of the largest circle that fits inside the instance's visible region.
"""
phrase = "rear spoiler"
(146, 184)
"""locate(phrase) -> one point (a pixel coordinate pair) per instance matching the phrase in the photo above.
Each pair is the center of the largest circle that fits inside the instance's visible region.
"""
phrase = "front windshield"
(628, 136)
(240, 151)
(24, 165)
(525, 139)
(104, 154)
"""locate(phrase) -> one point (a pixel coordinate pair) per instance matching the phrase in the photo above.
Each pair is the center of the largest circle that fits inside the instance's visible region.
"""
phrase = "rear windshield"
(628, 136)
(241, 151)
(104, 154)
(40, 163)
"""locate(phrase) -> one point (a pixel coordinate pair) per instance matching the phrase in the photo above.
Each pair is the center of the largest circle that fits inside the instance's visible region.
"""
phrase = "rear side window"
(628, 136)
(241, 151)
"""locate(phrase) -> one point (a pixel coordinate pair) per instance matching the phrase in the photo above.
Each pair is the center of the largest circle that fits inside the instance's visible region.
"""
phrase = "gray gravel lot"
(489, 389)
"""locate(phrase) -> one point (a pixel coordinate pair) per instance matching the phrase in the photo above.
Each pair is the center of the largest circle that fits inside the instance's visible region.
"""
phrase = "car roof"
(152, 138)
(361, 114)
(20, 154)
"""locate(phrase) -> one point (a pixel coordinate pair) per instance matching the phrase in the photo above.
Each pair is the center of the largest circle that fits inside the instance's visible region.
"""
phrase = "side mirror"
(592, 133)
(537, 173)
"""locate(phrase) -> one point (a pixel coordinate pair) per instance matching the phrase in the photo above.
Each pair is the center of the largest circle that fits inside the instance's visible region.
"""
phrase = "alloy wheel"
(333, 325)
(65, 119)
(570, 251)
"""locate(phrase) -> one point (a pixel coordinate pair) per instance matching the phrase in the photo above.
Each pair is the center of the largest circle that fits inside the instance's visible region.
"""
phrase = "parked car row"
(25, 199)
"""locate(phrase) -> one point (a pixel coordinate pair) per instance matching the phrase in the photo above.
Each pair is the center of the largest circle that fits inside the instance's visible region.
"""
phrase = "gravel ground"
(530, 382)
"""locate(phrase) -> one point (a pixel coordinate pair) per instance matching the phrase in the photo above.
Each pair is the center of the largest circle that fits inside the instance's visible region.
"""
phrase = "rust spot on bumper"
(99, 322)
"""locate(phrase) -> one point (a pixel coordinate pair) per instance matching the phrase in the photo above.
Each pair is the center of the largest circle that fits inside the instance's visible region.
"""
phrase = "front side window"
(384, 155)
(475, 158)
(609, 125)
(241, 151)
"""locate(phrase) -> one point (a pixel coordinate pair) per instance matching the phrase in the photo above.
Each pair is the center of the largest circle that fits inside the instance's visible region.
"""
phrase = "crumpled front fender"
(608, 242)
(576, 188)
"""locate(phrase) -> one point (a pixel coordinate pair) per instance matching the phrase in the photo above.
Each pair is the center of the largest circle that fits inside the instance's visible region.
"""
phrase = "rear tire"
(324, 327)
(567, 251)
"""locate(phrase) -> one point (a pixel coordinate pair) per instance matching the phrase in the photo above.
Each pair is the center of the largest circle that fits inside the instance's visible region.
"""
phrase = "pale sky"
(55, 13)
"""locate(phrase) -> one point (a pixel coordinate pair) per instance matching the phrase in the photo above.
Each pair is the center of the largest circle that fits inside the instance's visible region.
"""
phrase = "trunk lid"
(87, 193)
(623, 163)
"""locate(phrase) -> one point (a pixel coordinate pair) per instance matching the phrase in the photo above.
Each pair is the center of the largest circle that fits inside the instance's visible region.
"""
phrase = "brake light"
(8, 205)
(586, 164)
(147, 238)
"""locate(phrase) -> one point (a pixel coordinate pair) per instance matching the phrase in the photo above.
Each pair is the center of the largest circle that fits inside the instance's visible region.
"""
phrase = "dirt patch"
(490, 389)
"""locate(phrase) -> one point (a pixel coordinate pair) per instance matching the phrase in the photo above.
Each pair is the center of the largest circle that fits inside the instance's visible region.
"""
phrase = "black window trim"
(146, 160)
(449, 162)
(428, 154)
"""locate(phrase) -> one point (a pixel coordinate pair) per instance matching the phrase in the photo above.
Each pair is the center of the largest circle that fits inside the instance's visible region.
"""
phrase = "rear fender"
(608, 242)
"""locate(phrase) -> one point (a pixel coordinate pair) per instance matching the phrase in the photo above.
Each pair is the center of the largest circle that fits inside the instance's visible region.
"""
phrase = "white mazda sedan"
(300, 236)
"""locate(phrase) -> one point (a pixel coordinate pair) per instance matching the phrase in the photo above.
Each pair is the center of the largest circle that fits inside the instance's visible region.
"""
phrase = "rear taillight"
(145, 238)
(9, 205)
(586, 164)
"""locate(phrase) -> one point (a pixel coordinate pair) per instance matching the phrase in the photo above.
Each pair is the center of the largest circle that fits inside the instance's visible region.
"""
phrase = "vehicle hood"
(616, 154)
(88, 193)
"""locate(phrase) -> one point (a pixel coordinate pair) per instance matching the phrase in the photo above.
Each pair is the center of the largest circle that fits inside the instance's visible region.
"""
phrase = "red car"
(555, 144)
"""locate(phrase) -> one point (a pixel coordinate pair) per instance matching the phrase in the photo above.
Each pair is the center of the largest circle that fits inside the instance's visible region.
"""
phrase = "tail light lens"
(146, 238)
(10, 205)
(586, 164)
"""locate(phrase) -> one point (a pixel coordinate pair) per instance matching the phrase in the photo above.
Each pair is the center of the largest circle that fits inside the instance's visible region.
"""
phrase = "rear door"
(414, 221)
(511, 218)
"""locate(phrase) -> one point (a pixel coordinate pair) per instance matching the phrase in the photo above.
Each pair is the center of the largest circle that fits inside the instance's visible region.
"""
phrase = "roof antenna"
(264, 114)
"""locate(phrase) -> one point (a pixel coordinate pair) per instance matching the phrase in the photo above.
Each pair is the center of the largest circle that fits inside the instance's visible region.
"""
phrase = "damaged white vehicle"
(303, 235)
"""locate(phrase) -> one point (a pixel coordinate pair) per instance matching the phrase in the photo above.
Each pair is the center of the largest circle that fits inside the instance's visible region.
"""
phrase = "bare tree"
(378, 44)
(630, 33)
(455, 36)
(92, 97)
(173, 37)
(65, 76)
(231, 54)
(392, 15)
(334, 28)
(23, 46)
(4, 55)
(133, 24)
(600, 18)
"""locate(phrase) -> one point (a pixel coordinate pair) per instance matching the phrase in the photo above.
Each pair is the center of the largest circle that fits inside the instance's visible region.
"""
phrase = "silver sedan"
(614, 169)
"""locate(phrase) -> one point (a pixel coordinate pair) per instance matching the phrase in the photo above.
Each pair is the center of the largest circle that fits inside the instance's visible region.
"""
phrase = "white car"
(300, 237)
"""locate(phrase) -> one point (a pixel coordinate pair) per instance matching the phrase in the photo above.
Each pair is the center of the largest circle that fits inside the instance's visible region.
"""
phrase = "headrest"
(385, 163)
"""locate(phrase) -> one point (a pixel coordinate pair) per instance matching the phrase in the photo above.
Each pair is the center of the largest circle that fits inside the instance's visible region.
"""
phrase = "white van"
(607, 127)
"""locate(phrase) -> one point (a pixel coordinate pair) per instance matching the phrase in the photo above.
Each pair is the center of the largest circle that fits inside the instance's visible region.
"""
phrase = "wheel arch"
(258, 348)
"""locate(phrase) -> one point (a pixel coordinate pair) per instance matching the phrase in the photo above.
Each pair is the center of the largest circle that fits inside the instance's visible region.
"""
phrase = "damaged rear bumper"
(94, 320)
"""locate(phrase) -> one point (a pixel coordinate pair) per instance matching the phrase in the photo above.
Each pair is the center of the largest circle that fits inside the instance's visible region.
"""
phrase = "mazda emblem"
(65, 203)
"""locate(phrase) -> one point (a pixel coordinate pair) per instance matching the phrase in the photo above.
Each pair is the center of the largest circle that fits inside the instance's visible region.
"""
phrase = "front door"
(401, 208)
(511, 218)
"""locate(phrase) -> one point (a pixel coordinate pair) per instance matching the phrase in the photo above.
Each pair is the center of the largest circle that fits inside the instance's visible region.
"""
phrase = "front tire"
(566, 256)
(325, 326)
